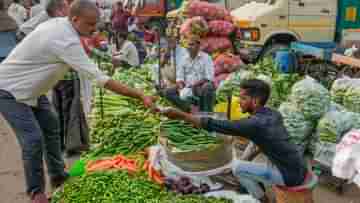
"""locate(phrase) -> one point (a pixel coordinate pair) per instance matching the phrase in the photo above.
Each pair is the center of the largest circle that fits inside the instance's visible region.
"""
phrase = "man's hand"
(180, 85)
(179, 115)
(116, 62)
(149, 101)
(173, 113)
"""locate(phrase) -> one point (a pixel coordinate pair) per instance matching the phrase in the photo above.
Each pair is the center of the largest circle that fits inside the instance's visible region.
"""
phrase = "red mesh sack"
(227, 63)
(213, 44)
(208, 10)
(221, 28)
(194, 26)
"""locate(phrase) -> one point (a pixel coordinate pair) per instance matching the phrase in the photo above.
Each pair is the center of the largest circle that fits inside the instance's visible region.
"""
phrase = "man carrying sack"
(266, 129)
(30, 71)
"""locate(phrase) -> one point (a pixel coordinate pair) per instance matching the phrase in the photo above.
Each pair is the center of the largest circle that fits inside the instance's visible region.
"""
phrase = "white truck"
(266, 27)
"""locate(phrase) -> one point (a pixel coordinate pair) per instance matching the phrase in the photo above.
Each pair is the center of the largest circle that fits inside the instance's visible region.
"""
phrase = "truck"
(269, 26)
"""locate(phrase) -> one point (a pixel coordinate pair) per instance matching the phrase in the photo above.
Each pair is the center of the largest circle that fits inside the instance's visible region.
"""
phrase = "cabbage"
(352, 98)
(299, 129)
(334, 124)
(310, 98)
(339, 88)
(232, 83)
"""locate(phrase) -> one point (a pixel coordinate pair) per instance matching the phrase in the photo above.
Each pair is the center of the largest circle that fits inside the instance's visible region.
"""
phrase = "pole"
(101, 93)
(229, 101)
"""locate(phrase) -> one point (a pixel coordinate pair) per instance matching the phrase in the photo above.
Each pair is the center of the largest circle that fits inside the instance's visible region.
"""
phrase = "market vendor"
(266, 129)
(125, 53)
(30, 71)
(171, 59)
(194, 80)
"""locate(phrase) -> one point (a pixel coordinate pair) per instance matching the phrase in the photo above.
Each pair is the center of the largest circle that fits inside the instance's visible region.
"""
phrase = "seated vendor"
(194, 80)
(170, 59)
(265, 128)
(125, 53)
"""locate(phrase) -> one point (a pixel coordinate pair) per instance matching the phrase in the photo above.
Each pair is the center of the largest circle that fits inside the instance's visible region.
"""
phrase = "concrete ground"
(12, 177)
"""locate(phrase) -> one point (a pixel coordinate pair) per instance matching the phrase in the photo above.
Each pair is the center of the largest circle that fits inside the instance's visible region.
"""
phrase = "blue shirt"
(8, 42)
(266, 129)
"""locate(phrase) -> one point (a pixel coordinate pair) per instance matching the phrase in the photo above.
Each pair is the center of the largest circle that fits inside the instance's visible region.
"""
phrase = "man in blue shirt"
(8, 29)
(266, 129)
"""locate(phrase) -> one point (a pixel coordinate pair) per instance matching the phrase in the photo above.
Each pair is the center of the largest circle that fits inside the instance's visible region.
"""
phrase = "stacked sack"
(213, 24)
(309, 101)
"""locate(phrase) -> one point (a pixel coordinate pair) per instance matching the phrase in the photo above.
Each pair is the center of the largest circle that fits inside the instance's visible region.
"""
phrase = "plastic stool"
(297, 194)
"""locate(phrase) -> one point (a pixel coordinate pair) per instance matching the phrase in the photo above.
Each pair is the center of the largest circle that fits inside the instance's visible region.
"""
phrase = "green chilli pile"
(125, 134)
(120, 187)
(185, 137)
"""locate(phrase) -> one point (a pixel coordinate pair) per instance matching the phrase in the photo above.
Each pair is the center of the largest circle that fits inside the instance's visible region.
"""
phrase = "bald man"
(30, 71)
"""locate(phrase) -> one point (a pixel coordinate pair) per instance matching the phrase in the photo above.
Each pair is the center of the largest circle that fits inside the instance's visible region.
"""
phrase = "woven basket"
(285, 196)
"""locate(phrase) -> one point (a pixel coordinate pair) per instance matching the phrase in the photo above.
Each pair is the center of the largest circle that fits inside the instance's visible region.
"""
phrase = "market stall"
(140, 156)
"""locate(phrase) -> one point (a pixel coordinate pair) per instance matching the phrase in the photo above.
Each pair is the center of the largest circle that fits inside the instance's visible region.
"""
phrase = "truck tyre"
(271, 50)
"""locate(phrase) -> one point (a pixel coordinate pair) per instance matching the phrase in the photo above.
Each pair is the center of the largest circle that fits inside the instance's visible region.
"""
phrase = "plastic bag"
(235, 197)
(208, 10)
(227, 63)
(194, 26)
(221, 28)
(186, 93)
(325, 153)
(299, 129)
(213, 44)
(339, 88)
(346, 163)
(311, 98)
(158, 160)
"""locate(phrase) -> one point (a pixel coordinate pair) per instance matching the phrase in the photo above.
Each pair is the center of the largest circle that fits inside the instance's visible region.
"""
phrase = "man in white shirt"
(36, 9)
(54, 8)
(171, 60)
(30, 71)
(17, 12)
(126, 54)
(194, 80)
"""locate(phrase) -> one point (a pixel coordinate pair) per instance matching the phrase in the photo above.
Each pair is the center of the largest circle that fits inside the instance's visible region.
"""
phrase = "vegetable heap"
(128, 133)
(335, 124)
(311, 98)
(120, 187)
(299, 129)
(184, 137)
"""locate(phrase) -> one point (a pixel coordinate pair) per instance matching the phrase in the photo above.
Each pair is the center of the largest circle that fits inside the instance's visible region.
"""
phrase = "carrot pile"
(118, 162)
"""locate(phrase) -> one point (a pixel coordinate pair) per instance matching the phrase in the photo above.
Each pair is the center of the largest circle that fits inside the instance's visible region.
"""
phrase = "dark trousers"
(74, 130)
(37, 131)
(204, 98)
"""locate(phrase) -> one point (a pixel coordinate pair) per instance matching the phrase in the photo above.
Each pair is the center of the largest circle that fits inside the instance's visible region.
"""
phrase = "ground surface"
(12, 177)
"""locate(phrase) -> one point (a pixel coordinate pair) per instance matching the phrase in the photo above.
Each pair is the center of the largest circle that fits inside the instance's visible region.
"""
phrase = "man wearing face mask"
(30, 71)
